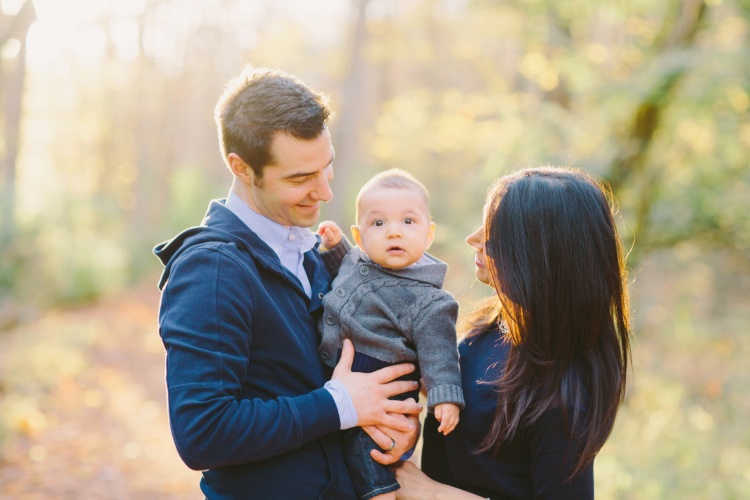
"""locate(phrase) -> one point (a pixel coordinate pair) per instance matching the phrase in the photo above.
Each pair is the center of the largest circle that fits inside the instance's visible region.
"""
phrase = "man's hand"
(370, 393)
(330, 235)
(404, 441)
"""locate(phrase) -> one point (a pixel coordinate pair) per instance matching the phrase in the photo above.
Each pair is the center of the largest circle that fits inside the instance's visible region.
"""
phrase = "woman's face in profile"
(476, 240)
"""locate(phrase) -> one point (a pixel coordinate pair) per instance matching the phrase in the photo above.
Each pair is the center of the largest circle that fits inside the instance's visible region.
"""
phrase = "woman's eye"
(408, 220)
(378, 222)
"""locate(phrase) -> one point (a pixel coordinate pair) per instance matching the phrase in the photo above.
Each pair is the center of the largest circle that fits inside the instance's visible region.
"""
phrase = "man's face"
(394, 227)
(292, 188)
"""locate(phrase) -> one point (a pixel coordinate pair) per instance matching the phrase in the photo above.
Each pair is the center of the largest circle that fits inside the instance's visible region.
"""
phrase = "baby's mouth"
(395, 250)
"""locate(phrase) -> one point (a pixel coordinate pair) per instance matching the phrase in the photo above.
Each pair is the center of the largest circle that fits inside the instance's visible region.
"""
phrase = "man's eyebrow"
(305, 174)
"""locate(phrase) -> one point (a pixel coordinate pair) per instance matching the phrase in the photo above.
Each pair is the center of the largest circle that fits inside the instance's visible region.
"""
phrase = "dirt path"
(83, 411)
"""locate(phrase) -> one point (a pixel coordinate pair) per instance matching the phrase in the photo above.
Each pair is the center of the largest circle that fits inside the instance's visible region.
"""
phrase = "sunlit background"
(108, 147)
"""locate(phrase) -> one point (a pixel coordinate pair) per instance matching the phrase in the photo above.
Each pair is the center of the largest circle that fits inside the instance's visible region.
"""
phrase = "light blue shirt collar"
(288, 243)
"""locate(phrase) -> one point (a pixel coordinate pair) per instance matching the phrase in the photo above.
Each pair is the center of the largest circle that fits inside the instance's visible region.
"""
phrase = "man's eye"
(408, 220)
(378, 222)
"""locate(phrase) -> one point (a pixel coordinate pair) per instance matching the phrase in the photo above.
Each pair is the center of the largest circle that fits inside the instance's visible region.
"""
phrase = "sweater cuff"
(445, 394)
(332, 257)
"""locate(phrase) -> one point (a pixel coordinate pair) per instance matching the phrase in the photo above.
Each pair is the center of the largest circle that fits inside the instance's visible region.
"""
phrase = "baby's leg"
(371, 479)
(385, 496)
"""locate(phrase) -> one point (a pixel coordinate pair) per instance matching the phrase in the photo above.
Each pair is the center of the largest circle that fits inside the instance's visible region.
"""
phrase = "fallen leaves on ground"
(84, 409)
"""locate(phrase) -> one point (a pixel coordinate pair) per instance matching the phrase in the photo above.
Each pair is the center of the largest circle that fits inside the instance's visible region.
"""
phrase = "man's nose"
(322, 189)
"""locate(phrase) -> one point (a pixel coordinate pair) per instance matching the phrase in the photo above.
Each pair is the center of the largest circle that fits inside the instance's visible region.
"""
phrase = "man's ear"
(430, 235)
(357, 237)
(240, 169)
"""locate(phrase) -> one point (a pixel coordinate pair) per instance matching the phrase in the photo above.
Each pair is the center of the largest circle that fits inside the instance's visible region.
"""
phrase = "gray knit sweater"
(394, 316)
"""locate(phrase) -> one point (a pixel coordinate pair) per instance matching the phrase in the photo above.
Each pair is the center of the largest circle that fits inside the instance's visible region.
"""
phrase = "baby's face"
(394, 227)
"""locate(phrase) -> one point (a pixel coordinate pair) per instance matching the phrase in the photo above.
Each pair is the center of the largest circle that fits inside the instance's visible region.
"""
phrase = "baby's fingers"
(448, 426)
(449, 423)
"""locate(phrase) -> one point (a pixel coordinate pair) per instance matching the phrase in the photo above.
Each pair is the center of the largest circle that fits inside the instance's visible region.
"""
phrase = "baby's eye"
(408, 220)
(378, 222)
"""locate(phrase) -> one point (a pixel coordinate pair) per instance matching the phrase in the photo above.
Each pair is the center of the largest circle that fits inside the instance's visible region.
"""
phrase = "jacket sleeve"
(205, 321)
(434, 333)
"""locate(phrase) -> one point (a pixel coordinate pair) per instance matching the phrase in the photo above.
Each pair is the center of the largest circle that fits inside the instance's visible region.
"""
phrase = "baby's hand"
(330, 235)
(447, 415)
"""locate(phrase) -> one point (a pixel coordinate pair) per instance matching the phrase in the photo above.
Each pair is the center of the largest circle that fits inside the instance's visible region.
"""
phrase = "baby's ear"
(430, 235)
(357, 237)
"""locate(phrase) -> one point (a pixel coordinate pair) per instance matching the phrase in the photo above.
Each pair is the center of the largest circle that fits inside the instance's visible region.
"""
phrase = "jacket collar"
(220, 224)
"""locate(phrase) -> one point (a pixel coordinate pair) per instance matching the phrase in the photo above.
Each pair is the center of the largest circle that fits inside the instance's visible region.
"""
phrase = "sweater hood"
(219, 225)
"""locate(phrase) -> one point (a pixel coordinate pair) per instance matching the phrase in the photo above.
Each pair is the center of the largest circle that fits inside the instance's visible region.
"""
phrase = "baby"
(387, 298)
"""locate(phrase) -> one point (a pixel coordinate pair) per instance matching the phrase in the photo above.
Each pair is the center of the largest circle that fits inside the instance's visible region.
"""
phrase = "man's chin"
(307, 219)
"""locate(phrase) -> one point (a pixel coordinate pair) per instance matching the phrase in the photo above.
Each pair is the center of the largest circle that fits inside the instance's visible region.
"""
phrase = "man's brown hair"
(258, 103)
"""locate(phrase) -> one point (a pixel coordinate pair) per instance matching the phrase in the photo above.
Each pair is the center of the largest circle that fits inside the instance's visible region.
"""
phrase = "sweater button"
(324, 355)
(340, 292)
(330, 320)
(364, 270)
(320, 295)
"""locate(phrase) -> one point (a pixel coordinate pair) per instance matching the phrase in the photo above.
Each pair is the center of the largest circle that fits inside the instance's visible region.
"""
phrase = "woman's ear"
(357, 237)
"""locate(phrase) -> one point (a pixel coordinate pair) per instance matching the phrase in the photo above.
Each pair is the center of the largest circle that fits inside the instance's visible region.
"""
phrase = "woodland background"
(108, 146)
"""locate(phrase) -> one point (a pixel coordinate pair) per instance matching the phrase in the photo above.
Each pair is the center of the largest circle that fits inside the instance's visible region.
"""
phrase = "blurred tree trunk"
(348, 117)
(12, 74)
(150, 96)
(629, 165)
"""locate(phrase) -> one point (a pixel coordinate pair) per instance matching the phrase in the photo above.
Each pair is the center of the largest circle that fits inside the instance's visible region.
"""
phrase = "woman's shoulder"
(482, 339)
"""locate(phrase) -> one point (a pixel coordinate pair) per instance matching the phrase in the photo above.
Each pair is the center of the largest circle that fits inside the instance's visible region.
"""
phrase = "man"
(249, 401)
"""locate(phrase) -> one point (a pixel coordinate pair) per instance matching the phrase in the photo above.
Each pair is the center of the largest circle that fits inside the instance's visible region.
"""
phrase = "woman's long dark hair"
(555, 259)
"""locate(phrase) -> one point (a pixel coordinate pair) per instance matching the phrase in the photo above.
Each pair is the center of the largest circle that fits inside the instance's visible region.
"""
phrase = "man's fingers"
(380, 437)
(398, 387)
(408, 407)
(384, 441)
(389, 373)
(347, 357)
(398, 422)
(385, 458)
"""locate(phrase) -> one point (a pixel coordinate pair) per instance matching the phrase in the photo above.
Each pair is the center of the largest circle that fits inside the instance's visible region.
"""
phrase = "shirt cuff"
(344, 405)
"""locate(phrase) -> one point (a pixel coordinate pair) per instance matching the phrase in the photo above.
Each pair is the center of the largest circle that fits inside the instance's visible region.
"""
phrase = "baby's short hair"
(394, 178)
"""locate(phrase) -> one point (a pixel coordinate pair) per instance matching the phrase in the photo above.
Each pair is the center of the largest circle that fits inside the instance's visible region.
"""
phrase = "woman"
(544, 361)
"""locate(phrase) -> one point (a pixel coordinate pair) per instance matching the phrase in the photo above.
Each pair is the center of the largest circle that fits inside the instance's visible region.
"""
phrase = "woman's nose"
(475, 238)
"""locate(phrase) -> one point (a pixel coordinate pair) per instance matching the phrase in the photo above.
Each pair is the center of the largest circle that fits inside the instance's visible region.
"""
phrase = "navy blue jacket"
(244, 380)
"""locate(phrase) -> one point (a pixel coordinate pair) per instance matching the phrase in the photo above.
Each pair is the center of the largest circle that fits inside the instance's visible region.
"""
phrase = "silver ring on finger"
(393, 445)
